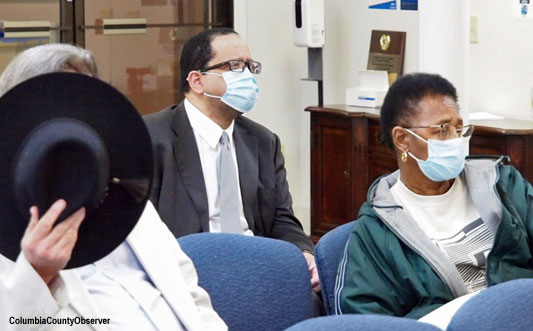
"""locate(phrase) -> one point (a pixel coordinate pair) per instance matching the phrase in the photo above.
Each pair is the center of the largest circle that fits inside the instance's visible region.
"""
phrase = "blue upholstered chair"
(362, 323)
(328, 253)
(254, 283)
(506, 306)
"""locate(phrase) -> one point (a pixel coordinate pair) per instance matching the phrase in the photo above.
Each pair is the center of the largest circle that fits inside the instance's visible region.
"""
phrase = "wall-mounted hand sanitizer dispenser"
(308, 28)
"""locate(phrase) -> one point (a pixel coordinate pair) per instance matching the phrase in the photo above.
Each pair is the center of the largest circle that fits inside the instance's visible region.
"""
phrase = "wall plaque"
(387, 49)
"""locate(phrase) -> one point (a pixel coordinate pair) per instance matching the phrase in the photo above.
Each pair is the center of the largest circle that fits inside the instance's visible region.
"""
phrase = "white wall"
(266, 25)
(501, 69)
(348, 28)
(444, 43)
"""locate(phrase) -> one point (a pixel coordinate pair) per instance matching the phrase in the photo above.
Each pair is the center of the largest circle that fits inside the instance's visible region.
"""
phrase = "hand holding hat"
(47, 248)
(72, 137)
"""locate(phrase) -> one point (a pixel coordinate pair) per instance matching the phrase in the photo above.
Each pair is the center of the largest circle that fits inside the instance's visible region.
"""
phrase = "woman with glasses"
(440, 227)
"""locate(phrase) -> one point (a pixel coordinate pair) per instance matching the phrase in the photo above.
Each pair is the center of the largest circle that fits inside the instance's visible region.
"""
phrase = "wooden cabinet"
(348, 154)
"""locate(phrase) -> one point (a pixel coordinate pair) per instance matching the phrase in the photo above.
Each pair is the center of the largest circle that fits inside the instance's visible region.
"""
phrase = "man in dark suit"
(194, 140)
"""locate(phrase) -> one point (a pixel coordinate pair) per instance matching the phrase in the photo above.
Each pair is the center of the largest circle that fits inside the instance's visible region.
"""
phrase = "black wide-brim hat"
(73, 137)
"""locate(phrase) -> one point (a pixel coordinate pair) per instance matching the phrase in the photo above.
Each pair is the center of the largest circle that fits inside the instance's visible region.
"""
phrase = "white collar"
(205, 127)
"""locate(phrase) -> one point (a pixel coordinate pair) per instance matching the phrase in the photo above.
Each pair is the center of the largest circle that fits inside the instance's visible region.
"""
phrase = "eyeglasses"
(448, 131)
(237, 66)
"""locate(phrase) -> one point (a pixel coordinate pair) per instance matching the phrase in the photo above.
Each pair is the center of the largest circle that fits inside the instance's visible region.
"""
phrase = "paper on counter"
(483, 115)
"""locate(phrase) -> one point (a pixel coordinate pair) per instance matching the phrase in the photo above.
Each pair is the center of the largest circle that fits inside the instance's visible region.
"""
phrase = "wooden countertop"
(508, 126)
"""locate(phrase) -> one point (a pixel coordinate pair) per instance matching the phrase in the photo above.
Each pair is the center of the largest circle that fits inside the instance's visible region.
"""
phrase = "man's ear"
(195, 82)
(400, 138)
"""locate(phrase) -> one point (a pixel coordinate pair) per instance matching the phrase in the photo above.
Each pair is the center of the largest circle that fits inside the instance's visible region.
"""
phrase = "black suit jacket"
(178, 190)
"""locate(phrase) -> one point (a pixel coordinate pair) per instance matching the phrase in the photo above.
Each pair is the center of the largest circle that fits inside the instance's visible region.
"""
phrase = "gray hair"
(44, 59)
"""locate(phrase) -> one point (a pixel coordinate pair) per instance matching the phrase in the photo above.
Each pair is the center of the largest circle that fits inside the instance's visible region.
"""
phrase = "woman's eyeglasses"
(449, 131)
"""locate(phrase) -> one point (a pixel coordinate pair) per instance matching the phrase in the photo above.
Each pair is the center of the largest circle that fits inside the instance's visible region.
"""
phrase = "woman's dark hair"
(197, 53)
(403, 97)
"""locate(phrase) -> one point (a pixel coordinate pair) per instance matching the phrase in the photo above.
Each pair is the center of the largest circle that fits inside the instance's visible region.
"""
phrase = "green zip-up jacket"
(391, 267)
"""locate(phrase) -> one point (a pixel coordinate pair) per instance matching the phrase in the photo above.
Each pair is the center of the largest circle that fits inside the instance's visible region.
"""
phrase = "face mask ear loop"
(212, 96)
(414, 157)
(414, 134)
(213, 74)
(210, 73)
(424, 140)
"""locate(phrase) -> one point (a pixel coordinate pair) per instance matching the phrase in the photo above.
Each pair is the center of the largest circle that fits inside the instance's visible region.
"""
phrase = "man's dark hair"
(197, 53)
(403, 97)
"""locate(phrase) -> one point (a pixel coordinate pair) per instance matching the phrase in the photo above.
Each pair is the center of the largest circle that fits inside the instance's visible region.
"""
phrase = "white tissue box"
(362, 98)
(373, 86)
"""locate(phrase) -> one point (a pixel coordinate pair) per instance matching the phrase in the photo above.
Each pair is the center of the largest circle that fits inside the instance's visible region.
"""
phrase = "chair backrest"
(362, 323)
(506, 306)
(254, 283)
(328, 253)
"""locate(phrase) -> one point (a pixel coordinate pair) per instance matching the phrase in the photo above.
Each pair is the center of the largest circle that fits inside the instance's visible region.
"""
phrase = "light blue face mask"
(446, 158)
(241, 90)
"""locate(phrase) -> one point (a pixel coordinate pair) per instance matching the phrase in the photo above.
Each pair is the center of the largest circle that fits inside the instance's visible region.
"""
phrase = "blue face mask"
(446, 158)
(241, 90)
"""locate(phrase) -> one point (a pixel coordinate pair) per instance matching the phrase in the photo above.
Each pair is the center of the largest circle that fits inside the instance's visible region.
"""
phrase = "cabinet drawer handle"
(347, 173)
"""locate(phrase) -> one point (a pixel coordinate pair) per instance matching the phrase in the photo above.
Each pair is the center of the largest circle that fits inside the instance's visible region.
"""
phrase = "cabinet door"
(331, 194)
(381, 160)
(518, 147)
(485, 144)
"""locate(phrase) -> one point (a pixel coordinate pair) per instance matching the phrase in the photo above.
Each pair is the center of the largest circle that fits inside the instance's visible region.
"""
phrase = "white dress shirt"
(123, 292)
(207, 134)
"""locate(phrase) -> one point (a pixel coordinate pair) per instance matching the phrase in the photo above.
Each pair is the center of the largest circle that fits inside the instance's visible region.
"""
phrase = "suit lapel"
(189, 164)
(157, 257)
(79, 298)
(248, 160)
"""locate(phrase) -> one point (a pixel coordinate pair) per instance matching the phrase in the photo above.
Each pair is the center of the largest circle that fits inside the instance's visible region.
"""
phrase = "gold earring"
(404, 156)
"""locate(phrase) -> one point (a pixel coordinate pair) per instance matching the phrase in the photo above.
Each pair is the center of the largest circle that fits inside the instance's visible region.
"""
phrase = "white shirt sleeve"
(23, 293)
